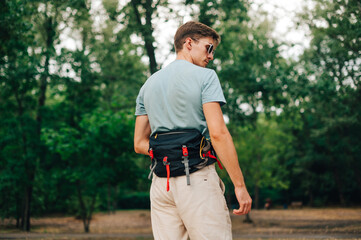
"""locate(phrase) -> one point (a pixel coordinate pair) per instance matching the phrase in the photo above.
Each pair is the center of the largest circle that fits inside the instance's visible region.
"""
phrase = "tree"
(137, 16)
(100, 153)
(92, 138)
(19, 149)
(330, 110)
(262, 153)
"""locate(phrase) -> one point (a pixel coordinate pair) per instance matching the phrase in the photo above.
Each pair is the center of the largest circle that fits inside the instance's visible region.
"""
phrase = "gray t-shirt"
(173, 97)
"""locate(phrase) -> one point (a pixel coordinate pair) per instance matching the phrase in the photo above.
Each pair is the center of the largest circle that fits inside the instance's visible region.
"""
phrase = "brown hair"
(194, 30)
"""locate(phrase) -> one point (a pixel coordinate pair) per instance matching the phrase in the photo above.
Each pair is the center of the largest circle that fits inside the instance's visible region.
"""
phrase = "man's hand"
(244, 200)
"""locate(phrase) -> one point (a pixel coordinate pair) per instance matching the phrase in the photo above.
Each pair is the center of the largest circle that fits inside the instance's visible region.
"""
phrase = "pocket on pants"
(221, 185)
(216, 183)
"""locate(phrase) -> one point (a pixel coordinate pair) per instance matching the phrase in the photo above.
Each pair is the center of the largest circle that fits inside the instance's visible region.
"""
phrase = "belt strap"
(152, 169)
(186, 163)
(151, 155)
(166, 163)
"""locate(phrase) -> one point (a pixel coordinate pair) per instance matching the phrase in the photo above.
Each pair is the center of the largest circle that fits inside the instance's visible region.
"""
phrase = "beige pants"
(197, 211)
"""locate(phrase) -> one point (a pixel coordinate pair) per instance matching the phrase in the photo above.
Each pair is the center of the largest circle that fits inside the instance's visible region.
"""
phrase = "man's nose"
(210, 56)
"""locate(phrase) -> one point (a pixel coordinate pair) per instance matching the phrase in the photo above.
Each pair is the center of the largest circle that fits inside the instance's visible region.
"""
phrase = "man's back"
(173, 97)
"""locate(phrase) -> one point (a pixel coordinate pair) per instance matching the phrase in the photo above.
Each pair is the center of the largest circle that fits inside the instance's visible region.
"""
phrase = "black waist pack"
(181, 150)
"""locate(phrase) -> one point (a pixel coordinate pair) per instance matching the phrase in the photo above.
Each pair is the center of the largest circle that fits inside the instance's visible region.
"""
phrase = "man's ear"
(188, 43)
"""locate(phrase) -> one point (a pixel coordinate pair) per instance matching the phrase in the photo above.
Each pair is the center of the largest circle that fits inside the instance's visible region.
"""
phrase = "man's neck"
(184, 56)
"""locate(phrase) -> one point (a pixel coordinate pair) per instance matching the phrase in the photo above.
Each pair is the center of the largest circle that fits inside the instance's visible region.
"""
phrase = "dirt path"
(118, 236)
(340, 223)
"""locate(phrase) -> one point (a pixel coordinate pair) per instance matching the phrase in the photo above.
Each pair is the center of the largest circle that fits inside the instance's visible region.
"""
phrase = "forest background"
(67, 114)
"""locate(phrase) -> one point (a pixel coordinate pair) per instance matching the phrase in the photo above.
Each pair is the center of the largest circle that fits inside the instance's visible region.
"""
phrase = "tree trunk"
(82, 206)
(311, 198)
(116, 191)
(86, 227)
(358, 178)
(23, 220)
(26, 214)
(256, 196)
(17, 221)
(248, 219)
(109, 199)
(148, 36)
(146, 30)
(339, 186)
(29, 171)
(256, 187)
(31, 166)
(86, 214)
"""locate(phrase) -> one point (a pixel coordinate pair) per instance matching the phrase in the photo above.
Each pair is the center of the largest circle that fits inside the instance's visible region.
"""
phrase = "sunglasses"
(209, 47)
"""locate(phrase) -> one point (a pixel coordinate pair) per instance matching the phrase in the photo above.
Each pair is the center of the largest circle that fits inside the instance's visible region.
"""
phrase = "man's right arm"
(224, 147)
(142, 133)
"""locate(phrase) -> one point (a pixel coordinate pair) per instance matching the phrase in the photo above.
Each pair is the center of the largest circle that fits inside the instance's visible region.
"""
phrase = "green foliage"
(96, 155)
(211, 12)
(330, 112)
(140, 200)
(18, 142)
(262, 153)
(65, 122)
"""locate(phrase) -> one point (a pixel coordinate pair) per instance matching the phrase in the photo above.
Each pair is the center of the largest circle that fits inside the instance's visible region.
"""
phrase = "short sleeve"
(140, 109)
(212, 90)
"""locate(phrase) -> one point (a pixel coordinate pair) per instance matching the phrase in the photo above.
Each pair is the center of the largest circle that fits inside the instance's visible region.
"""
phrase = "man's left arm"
(142, 133)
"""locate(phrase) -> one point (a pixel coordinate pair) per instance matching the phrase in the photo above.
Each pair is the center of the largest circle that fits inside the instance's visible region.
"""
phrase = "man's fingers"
(237, 212)
(249, 206)
(243, 209)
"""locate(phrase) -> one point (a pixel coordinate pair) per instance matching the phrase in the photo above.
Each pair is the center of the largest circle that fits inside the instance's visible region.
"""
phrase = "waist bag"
(180, 152)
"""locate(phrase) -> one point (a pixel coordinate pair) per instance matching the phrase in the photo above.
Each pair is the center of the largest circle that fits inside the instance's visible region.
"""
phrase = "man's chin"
(202, 65)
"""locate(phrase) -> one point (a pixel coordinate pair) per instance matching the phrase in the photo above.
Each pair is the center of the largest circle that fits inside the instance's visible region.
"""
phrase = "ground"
(341, 223)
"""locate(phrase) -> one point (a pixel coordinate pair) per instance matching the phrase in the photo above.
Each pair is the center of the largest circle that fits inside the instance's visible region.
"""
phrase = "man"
(186, 95)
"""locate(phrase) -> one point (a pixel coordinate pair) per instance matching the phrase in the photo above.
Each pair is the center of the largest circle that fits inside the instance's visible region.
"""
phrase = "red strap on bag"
(185, 150)
(151, 154)
(209, 154)
(166, 163)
